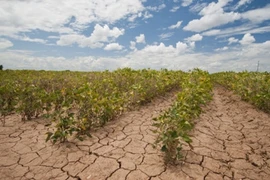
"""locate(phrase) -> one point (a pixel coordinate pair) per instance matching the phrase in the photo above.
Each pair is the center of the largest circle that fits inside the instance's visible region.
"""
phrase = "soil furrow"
(231, 140)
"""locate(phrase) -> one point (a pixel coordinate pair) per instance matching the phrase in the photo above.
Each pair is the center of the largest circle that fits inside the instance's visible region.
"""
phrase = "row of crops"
(174, 124)
(253, 87)
(78, 102)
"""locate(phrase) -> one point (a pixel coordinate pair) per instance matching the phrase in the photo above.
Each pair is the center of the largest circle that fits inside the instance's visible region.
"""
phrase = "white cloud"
(225, 48)
(229, 31)
(140, 38)
(241, 3)
(186, 2)
(103, 33)
(211, 21)
(113, 47)
(212, 32)
(147, 15)
(232, 40)
(181, 47)
(254, 16)
(63, 16)
(134, 16)
(165, 36)
(53, 37)
(4, 43)
(197, 7)
(247, 39)
(214, 7)
(96, 39)
(25, 38)
(158, 56)
(133, 45)
(163, 49)
(156, 8)
(258, 15)
(194, 38)
(175, 8)
(213, 15)
(242, 29)
(176, 26)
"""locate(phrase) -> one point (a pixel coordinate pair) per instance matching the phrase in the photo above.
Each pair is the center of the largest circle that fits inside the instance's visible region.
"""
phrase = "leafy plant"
(65, 126)
(78, 102)
(253, 87)
(174, 124)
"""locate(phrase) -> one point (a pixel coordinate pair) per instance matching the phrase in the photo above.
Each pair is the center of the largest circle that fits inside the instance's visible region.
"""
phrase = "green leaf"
(164, 148)
(49, 135)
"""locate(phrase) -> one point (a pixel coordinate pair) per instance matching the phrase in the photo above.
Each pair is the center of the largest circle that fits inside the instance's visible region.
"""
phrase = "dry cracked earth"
(231, 140)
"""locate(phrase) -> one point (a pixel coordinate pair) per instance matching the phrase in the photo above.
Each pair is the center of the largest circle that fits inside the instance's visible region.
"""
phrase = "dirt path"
(231, 140)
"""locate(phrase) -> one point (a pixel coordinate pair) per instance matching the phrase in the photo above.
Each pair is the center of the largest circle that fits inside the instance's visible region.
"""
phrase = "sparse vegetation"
(253, 87)
(175, 123)
(79, 102)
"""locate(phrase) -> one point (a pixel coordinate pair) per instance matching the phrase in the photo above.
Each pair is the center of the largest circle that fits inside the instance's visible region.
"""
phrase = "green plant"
(7, 101)
(65, 126)
(253, 87)
(94, 98)
(174, 124)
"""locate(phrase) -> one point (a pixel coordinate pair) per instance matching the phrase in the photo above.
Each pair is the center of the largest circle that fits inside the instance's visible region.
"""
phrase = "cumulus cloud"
(113, 47)
(133, 45)
(140, 38)
(213, 15)
(158, 56)
(247, 39)
(210, 21)
(4, 43)
(225, 48)
(258, 15)
(214, 7)
(103, 33)
(161, 48)
(175, 26)
(62, 16)
(232, 40)
(95, 40)
(179, 48)
(194, 38)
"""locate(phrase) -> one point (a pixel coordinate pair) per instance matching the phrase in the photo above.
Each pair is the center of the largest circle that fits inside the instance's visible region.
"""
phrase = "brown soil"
(231, 140)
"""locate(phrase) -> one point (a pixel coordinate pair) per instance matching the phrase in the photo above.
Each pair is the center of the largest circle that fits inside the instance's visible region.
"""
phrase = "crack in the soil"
(223, 114)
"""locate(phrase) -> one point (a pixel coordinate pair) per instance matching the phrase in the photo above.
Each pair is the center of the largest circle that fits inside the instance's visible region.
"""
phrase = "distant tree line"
(1, 67)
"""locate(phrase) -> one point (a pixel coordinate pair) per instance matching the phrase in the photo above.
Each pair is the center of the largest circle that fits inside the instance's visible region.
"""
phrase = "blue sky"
(87, 35)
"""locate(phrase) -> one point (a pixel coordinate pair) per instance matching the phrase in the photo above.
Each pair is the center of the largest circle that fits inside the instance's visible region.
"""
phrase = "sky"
(94, 35)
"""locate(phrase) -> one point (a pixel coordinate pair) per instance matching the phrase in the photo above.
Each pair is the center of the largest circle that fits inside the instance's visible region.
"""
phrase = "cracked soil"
(231, 140)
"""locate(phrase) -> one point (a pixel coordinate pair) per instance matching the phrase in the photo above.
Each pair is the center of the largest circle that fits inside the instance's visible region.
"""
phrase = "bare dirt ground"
(231, 140)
